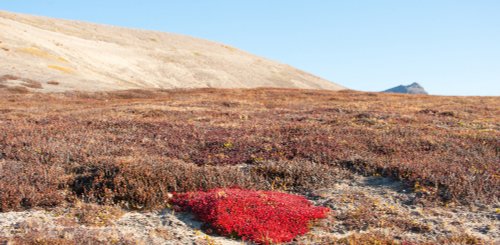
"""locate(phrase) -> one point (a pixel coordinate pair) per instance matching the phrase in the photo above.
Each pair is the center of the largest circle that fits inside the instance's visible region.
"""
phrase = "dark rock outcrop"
(413, 88)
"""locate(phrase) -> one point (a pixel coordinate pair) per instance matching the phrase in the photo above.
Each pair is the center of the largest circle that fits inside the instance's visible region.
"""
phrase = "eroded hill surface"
(62, 55)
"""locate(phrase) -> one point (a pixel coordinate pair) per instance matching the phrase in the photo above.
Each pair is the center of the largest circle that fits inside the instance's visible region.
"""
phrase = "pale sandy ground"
(92, 57)
(163, 227)
(390, 200)
(386, 198)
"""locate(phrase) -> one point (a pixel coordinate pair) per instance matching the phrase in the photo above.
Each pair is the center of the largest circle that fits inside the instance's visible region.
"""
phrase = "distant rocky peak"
(413, 88)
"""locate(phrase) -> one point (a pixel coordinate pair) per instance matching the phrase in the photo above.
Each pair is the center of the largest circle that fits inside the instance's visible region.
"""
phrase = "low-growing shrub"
(260, 216)
(95, 215)
(25, 185)
(147, 183)
(297, 176)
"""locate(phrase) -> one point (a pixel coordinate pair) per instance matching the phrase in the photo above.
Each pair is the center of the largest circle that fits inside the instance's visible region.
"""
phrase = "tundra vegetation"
(132, 149)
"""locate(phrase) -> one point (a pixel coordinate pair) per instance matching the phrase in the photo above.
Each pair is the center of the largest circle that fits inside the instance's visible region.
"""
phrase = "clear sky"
(450, 47)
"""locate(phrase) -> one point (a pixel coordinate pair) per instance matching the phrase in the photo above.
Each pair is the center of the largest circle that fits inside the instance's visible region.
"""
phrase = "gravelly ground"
(360, 205)
(385, 206)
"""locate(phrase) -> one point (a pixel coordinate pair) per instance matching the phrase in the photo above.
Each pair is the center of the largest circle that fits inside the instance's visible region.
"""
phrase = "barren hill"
(49, 54)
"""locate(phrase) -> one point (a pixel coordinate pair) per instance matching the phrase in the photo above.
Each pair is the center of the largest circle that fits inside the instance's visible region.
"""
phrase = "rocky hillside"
(47, 54)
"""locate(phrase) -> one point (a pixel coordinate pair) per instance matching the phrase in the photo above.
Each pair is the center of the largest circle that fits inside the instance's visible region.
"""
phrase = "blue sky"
(451, 47)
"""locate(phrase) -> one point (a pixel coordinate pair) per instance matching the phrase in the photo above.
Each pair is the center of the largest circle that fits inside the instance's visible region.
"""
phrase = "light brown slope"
(91, 57)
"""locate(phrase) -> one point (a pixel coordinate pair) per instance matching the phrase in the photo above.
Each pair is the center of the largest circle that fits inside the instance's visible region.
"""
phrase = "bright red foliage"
(260, 216)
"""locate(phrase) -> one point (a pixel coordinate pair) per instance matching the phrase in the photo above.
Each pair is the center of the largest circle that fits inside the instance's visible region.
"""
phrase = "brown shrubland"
(132, 148)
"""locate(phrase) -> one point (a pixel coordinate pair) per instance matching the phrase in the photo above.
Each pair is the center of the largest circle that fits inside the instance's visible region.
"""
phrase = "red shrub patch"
(261, 216)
